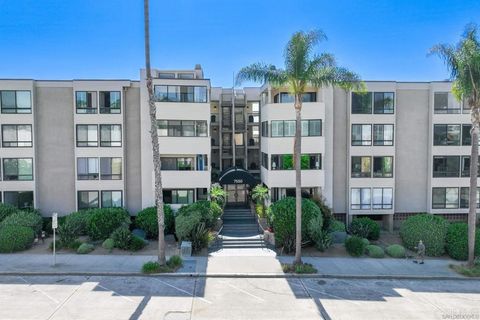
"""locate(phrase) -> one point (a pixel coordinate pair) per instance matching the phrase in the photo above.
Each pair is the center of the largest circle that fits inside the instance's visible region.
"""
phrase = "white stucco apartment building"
(398, 149)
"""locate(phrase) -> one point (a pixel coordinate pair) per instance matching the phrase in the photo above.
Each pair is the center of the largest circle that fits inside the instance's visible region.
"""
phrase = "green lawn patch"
(466, 271)
(304, 268)
(173, 264)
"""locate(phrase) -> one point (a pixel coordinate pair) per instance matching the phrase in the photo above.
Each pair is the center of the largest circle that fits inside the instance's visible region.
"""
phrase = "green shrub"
(85, 248)
(75, 244)
(327, 215)
(175, 262)
(136, 243)
(15, 238)
(395, 251)
(259, 210)
(147, 221)
(321, 238)
(374, 251)
(25, 219)
(365, 228)
(283, 212)
(431, 229)
(457, 241)
(337, 226)
(102, 222)
(304, 268)
(67, 234)
(186, 223)
(6, 210)
(365, 241)
(355, 246)
(79, 221)
(210, 211)
(108, 244)
(121, 238)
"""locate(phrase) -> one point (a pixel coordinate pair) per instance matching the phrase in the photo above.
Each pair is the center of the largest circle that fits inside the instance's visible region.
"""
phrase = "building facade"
(398, 148)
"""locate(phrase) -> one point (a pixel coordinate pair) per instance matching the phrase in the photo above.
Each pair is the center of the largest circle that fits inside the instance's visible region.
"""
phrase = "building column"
(388, 222)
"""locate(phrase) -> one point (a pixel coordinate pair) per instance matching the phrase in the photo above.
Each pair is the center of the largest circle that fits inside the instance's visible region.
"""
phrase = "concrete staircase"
(240, 235)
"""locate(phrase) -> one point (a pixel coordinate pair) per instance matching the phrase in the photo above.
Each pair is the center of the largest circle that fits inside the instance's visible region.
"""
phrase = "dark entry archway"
(237, 182)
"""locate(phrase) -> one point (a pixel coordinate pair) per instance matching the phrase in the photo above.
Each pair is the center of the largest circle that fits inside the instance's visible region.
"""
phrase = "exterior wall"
(55, 165)
(133, 181)
(341, 142)
(412, 140)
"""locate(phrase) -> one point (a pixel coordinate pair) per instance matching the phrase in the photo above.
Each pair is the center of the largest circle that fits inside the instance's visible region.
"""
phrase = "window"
(466, 137)
(166, 75)
(239, 139)
(382, 198)
(186, 76)
(85, 101)
(255, 107)
(285, 161)
(182, 128)
(87, 169)
(202, 162)
(446, 166)
(361, 103)
(277, 128)
(165, 93)
(17, 135)
(361, 167)
(110, 102)
(19, 199)
(18, 169)
(110, 135)
(382, 167)
(285, 97)
(383, 102)
(87, 199)
(16, 101)
(465, 197)
(264, 128)
(202, 194)
(360, 198)
(443, 102)
(465, 169)
(446, 135)
(253, 119)
(311, 128)
(265, 160)
(289, 128)
(112, 199)
(111, 168)
(178, 163)
(178, 196)
(87, 135)
(383, 134)
(444, 198)
(361, 134)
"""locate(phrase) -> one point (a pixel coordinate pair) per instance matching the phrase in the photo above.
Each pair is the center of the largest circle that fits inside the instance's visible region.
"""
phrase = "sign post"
(54, 227)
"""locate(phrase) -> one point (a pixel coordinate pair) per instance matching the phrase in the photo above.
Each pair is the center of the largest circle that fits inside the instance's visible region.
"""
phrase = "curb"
(243, 275)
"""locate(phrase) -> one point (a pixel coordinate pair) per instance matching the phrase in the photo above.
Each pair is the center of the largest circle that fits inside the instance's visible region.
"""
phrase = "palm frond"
(261, 72)
(446, 52)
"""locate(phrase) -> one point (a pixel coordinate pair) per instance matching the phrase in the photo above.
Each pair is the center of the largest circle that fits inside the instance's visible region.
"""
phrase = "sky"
(103, 39)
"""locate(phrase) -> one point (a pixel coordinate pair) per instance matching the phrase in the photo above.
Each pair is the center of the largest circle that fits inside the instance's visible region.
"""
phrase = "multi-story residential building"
(397, 149)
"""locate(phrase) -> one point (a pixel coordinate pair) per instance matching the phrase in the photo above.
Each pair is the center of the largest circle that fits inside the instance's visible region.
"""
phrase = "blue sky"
(380, 40)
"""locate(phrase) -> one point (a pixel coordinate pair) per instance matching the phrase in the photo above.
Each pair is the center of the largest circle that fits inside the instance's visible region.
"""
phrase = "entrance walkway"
(240, 235)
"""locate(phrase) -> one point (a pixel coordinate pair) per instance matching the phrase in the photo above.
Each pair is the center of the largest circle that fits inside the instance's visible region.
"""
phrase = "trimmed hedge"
(121, 238)
(374, 251)
(85, 248)
(283, 214)
(365, 228)
(395, 251)
(337, 226)
(355, 246)
(26, 219)
(6, 210)
(136, 243)
(147, 221)
(102, 222)
(79, 220)
(457, 241)
(431, 229)
(108, 244)
(15, 238)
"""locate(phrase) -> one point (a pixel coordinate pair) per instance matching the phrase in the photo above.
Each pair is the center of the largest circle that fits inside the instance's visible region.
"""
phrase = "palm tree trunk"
(472, 212)
(154, 136)
(297, 151)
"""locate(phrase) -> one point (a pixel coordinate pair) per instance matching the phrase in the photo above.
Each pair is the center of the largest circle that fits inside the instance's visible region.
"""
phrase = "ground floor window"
(202, 194)
(19, 199)
(361, 198)
(465, 197)
(444, 198)
(280, 193)
(112, 199)
(87, 199)
(382, 198)
(178, 196)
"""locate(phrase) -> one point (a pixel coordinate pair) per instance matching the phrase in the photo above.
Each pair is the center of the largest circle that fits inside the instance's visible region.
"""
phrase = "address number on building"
(237, 181)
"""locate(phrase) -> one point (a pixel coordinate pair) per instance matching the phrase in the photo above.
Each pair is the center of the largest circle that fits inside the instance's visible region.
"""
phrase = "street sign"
(55, 221)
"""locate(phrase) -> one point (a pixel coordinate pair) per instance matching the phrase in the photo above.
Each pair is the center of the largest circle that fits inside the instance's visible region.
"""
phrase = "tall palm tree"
(463, 62)
(154, 136)
(302, 68)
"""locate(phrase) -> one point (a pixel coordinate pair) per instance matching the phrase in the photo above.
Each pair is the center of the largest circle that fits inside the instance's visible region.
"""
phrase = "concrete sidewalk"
(241, 266)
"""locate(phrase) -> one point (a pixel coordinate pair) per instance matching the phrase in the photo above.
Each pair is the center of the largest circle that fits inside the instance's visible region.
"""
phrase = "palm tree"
(217, 194)
(463, 62)
(260, 195)
(154, 136)
(302, 68)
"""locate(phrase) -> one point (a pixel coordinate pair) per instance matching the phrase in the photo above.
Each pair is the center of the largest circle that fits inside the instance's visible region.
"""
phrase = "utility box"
(186, 249)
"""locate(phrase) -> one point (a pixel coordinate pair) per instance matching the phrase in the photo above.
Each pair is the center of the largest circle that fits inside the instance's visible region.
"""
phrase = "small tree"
(302, 69)
(260, 195)
(217, 194)
(463, 61)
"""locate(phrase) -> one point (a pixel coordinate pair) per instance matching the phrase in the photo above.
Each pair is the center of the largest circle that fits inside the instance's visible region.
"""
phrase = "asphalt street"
(113, 297)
